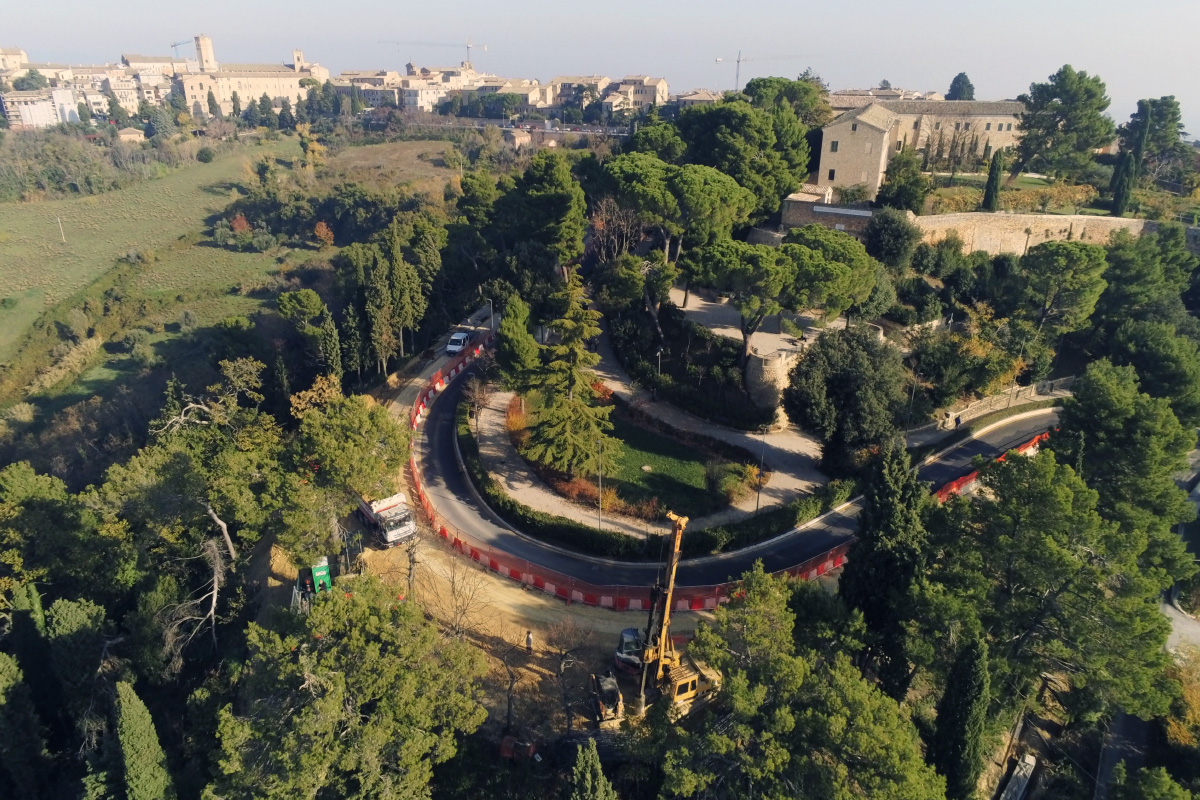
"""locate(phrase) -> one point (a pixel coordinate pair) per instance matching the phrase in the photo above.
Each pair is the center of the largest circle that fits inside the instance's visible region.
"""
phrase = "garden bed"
(659, 468)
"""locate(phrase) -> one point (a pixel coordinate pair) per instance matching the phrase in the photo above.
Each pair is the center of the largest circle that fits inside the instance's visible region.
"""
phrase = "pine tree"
(587, 779)
(145, 764)
(352, 341)
(330, 344)
(22, 750)
(885, 562)
(991, 193)
(958, 746)
(570, 430)
(516, 349)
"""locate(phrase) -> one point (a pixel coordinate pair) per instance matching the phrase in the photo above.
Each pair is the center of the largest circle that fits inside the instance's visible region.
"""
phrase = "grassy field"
(418, 164)
(675, 477)
(38, 269)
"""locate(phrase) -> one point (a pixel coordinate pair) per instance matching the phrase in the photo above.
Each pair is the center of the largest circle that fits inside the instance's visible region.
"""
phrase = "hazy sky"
(1142, 49)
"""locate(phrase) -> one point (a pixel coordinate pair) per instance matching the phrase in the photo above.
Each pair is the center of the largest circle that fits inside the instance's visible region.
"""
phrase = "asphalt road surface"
(449, 490)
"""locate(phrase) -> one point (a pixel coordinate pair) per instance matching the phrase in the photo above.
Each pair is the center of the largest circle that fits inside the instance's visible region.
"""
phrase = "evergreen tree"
(904, 186)
(570, 429)
(76, 636)
(22, 750)
(587, 778)
(252, 116)
(330, 345)
(381, 324)
(237, 105)
(408, 301)
(353, 357)
(287, 120)
(1122, 184)
(991, 193)
(1141, 137)
(516, 349)
(145, 764)
(959, 748)
(214, 108)
(961, 88)
(1063, 123)
(886, 561)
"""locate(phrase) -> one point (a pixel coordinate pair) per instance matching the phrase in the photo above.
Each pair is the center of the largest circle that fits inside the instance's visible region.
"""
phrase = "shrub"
(135, 337)
(205, 155)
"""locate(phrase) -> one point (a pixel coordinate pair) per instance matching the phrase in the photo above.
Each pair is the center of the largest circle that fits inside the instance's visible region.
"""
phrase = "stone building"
(699, 97)
(248, 81)
(12, 58)
(856, 146)
(634, 93)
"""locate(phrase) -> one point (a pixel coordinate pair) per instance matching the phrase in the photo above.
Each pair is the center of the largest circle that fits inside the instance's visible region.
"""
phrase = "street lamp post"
(913, 396)
(599, 482)
(762, 456)
(491, 316)
(660, 362)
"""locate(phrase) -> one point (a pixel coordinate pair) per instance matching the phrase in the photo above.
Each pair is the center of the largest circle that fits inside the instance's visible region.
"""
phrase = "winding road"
(455, 500)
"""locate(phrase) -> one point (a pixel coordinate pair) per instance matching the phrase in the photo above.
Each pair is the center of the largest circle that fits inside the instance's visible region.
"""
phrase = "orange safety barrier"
(956, 486)
(572, 590)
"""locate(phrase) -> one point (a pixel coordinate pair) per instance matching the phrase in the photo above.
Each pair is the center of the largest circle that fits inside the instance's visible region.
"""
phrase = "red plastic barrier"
(956, 486)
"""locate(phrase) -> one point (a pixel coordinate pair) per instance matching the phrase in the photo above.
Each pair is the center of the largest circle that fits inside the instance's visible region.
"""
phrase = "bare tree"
(185, 621)
(615, 229)
(462, 604)
(477, 393)
(566, 639)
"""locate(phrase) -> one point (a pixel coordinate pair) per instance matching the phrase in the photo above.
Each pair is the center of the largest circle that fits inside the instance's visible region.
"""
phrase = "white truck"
(391, 519)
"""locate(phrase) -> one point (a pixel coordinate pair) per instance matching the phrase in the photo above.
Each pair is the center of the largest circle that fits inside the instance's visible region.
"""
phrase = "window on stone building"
(966, 126)
(832, 173)
(987, 127)
(899, 146)
(1010, 126)
(853, 127)
(957, 125)
(937, 126)
(833, 147)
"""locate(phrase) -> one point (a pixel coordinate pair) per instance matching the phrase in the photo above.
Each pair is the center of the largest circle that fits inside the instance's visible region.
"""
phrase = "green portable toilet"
(321, 580)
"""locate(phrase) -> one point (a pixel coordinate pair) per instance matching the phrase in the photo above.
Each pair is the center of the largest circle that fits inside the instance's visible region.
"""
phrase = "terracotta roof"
(254, 67)
(874, 115)
(150, 59)
(955, 108)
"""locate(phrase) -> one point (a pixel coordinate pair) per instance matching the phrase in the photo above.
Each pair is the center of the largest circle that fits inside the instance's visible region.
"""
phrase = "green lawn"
(676, 475)
(38, 269)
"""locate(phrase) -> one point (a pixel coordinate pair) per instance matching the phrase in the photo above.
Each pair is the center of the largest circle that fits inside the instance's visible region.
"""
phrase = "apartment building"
(125, 89)
(635, 93)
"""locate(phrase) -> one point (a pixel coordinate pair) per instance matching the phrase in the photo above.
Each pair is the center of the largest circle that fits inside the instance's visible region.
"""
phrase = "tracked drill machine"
(670, 673)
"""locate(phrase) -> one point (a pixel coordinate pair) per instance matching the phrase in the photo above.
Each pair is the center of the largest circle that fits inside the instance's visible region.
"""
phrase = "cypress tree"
(353, 356)
(145, 764)
(885, 562)
(214, 108)
(1122, 184)
(330, 344)
(1146, 112)
(991, 194)
(380, 324)
(587, 778)
(408, 301)
(237, 105)
(958, 746)
(22, 750)
(76, 636)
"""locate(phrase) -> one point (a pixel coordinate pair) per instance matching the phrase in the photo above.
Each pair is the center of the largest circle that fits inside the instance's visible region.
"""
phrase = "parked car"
(458, 342)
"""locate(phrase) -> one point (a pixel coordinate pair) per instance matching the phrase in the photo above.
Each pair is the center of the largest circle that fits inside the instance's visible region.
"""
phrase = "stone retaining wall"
(1015, 233)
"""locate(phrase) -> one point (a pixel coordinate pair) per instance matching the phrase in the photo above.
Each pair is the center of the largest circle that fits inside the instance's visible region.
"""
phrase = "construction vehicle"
(391, 519)
(608, 706)
(664, 669)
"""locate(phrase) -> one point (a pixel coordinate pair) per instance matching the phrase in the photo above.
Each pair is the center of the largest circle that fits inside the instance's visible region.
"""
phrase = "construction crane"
(176, 45)
(469, 45)
(737, 75)
(676, 677)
